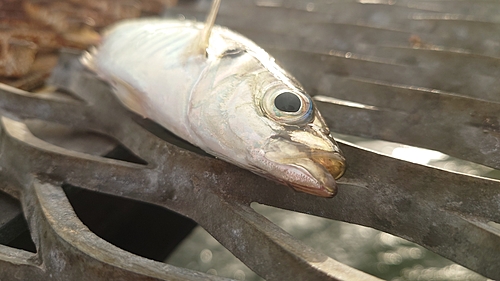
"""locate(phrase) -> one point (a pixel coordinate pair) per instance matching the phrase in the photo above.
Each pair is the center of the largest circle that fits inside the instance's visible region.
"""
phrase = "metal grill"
(423, 73)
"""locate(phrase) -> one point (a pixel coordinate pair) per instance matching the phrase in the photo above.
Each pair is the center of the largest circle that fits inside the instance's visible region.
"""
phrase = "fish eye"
(287, 102)
(287, 107)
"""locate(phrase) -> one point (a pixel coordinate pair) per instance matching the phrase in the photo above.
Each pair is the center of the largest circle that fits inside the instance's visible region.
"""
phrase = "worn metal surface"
(416, 94)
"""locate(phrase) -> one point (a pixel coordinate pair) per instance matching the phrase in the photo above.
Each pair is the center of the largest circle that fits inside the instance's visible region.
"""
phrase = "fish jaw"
(322, 148)
(305, 169)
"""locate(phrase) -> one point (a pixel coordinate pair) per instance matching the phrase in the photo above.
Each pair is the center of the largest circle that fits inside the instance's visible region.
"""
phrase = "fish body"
(231, 99)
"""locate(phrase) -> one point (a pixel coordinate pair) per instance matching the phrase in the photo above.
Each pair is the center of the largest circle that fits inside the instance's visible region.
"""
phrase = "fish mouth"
(327, 189)
(314, 172)
(325, 168)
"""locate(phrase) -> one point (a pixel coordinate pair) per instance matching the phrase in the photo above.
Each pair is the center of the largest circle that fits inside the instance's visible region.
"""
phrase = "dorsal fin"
(209, 24)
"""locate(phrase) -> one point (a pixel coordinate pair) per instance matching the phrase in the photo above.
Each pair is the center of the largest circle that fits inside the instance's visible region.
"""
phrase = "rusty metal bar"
(67, 250)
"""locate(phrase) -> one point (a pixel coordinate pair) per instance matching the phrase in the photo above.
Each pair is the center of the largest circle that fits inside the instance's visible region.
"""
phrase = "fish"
(223, 93)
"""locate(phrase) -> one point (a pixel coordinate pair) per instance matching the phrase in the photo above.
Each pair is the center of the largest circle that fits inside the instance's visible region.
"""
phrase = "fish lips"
(307, 170)
(323, 188)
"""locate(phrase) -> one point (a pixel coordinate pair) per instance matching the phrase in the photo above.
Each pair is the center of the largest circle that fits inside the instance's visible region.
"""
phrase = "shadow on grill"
(140, 228)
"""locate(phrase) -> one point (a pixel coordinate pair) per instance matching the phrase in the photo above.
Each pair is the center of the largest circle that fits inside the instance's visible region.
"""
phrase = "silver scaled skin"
(233, 101)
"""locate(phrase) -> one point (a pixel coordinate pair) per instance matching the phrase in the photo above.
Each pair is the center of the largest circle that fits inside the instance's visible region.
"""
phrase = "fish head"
(300, 152)
(257, 116)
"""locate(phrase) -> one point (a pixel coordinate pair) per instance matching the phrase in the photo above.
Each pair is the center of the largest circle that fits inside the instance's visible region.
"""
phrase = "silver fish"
(221, 92)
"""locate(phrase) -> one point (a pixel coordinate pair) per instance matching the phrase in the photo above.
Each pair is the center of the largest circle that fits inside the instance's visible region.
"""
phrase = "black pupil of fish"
(287, 102)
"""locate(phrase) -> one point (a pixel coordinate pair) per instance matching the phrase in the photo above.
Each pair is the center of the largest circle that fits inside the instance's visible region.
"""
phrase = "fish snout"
(321, 148)
(333, 162)
(311, 171)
